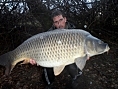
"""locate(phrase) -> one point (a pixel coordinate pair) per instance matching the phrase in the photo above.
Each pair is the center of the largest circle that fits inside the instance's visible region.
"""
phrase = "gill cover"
(94, 46)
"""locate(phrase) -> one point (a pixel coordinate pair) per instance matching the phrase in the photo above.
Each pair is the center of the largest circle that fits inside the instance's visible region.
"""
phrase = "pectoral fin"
(81, 61)
(58, 70)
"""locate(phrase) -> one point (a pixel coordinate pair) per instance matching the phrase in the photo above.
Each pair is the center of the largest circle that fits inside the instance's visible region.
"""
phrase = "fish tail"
(9, 67)
(5, 60)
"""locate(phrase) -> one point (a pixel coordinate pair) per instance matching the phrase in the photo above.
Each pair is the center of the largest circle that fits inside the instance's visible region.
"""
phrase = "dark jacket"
(68, 26)
(48, 74)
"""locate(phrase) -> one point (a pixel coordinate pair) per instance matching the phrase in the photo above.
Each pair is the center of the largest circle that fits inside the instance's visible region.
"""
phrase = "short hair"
(56, 13)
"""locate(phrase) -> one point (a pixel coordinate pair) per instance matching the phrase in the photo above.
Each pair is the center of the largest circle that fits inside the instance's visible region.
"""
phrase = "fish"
(55, 49)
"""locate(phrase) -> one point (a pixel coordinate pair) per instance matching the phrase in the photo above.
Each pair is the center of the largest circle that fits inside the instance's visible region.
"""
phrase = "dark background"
(21, 19)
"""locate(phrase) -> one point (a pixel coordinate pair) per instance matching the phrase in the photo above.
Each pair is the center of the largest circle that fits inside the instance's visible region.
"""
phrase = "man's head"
(59, 19)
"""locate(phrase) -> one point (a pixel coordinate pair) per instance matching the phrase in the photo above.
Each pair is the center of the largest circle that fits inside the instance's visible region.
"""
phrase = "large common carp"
(56, 49)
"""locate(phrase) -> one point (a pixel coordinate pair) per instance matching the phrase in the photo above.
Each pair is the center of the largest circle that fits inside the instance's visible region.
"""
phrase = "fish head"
(95, 46)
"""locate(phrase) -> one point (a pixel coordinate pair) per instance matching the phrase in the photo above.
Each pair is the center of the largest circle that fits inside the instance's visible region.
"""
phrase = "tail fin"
(5, 60)
(8, 60)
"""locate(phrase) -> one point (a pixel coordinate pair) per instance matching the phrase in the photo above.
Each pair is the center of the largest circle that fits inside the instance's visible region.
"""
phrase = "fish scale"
(55, 49)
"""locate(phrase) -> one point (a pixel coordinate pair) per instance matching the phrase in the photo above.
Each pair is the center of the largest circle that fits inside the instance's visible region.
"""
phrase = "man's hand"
(33, 62)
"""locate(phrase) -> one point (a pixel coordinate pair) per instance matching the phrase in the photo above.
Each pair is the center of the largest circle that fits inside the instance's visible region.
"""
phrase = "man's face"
(59, 21)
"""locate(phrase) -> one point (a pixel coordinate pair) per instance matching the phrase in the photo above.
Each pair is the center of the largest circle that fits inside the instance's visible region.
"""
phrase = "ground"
(100, 72)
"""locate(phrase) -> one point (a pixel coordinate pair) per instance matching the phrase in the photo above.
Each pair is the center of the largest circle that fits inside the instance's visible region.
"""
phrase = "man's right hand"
(33, 62)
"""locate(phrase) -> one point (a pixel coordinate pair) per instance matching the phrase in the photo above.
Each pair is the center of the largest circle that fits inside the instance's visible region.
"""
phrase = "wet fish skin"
(55, 49)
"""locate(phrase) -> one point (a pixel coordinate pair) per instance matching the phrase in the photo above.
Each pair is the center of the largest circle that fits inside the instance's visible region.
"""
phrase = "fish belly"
(53, 49)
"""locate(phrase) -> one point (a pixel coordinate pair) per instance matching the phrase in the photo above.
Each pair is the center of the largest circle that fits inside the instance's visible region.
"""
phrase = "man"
(60, 22)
